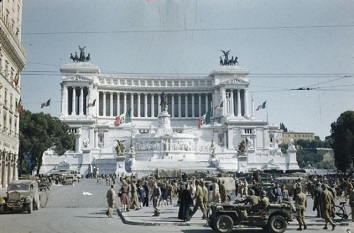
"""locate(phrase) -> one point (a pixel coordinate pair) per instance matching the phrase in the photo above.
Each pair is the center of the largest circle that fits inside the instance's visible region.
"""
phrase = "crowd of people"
(195, 193)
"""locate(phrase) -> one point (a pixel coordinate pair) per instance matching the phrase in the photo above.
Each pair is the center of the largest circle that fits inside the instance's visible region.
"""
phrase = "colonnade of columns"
(75, 100)
(148, 104)
(8, 168)
(237, 102)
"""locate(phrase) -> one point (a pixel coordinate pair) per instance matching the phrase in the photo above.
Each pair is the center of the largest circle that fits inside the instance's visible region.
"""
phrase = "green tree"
(342, 140)
(39, 132)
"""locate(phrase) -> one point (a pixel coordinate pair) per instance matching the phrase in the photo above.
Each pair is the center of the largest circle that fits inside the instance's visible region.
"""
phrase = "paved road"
(69, 211)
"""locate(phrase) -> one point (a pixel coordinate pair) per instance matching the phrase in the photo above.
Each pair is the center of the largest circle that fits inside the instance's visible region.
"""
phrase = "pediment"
(77, 77)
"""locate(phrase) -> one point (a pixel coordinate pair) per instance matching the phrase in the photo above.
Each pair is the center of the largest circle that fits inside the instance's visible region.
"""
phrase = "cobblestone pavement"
(69, 210)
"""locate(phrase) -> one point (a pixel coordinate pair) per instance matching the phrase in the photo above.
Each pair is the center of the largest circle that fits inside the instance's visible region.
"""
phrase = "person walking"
(111, 196)
(301, 205)
(199, 199)
(124, 196)
(155, 196)
(316, 201)
(184, 211)
(216, 193)
(351, 202)
(222, 190)
(205, 195)
(146, 189)
(134, 196)
(327, 203)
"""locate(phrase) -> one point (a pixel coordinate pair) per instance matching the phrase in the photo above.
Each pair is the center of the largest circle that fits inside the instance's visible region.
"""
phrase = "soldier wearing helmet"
(301, 204)
(264, 201)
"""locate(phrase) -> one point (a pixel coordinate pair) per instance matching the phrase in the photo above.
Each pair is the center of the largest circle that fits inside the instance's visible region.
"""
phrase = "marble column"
(232, 102)
(104, 103)
(206, 103)
(186, 104)
(238, 103)
(139, 105)
(179, 105)
(125, 103)
(200, 104)
(158, 104)
(152, 105)
(73, 112)
(246, 102)
(145, 104)
(193, 110)
(111, 104)
(173, 105)
(132, 105)
(118, 104)
(81, 100)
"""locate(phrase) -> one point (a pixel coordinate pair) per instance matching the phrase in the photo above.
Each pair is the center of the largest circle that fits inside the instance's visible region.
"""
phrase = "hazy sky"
(284, 44)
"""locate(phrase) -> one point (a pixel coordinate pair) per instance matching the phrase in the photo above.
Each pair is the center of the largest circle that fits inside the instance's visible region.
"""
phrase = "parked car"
(224, 217)
(22, 195)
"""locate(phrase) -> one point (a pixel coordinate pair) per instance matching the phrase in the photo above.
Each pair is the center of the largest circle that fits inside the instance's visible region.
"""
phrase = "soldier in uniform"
(301, 205)
(155, 197)
(222, 190)
(264, 201)
(205, 195)
(111, 196)
(216, 193)
(351, 202)
(251, 200)
(199, 199)
(134, 196)
(327, 202)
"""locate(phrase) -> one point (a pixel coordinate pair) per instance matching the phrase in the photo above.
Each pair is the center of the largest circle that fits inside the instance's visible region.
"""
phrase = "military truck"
(224, 217)
(22, 195)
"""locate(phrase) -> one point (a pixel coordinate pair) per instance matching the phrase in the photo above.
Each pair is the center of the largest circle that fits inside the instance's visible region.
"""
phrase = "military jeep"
(224, 217)
(22, 195)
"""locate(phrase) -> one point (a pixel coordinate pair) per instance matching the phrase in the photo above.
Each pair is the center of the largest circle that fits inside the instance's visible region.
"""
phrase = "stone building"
(129, 123)
(12, 61)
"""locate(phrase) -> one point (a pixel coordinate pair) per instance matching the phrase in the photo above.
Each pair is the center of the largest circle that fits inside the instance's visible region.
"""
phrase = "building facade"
(287, 136)
(12, 61)
(126, 123)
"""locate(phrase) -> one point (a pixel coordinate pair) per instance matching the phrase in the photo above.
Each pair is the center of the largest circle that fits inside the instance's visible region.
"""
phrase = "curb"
(126, 220)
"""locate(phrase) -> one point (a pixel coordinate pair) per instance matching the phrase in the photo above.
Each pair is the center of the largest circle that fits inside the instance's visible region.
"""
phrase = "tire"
(223, 224)
(277, 224)
(29, 208)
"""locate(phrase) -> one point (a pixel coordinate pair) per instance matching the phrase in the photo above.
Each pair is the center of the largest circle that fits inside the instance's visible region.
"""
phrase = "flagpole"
(267, 113)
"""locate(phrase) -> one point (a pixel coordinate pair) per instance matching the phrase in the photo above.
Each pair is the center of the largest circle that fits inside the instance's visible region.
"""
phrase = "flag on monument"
(45, 104)
(262, 106)
(92, 104)
(123, 118)
(220, 105)
(19, 106)
(16, 79)
(205, 119)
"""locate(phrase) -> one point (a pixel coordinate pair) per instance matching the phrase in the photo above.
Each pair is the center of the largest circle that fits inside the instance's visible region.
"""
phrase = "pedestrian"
(205, 195)
(146, 189)
(185, 197)
(124, 196)
(155, 196)
(198, 197)
(316, 200)
(134, 196)
(111, 196)
(351, 202)
(216, 193)
(222, 190)
(301, 205)
(327, 202)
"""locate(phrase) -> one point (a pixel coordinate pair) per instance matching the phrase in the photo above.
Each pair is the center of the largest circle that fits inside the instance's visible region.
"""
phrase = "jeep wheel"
(36, 205)
(29, 208)
(277, 224)
(223, 224)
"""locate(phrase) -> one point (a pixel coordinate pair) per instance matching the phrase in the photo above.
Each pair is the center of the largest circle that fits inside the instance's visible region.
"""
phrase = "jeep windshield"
(13, 187)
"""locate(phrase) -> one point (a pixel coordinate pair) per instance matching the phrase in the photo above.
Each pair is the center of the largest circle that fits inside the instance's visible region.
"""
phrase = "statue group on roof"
(226, 62)
(82, 57)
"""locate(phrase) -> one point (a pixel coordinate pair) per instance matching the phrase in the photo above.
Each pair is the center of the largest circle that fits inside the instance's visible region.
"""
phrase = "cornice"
(12, 46)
